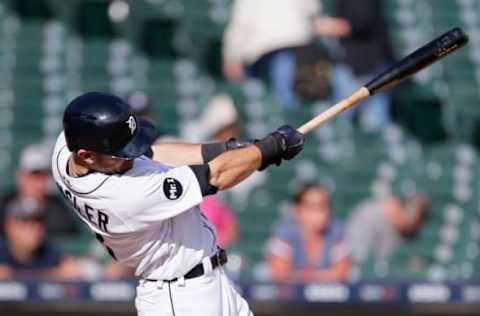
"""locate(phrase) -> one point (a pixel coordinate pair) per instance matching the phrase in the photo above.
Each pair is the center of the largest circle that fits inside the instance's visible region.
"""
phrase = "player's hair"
(304, 188)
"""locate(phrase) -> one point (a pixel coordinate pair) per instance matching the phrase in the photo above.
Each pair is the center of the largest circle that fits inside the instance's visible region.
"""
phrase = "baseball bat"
(413, 63)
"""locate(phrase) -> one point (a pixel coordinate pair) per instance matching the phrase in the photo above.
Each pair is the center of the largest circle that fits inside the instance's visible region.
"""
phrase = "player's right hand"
(292, 141)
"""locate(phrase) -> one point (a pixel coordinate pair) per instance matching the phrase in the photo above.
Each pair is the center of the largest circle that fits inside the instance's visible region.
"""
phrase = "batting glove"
(284, 143)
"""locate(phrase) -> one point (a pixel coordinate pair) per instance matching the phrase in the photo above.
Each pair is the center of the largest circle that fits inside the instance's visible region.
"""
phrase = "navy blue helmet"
(104, 123)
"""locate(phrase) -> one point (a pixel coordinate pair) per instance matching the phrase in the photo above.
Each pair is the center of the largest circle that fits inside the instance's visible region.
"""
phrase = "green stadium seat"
(78, 246)
(96, 53)
(32, 9)
(152, 30)
(213, 59)
(91, 19)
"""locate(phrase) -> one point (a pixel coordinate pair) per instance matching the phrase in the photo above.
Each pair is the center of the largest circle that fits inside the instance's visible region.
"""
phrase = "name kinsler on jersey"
(95, 216)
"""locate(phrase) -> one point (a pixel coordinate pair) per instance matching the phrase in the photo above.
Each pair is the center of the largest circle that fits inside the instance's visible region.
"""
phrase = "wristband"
(212, 150)
(271, 149)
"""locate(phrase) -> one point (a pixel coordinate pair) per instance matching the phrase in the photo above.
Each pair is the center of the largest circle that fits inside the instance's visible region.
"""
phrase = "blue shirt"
(45, 257)
(287, 242)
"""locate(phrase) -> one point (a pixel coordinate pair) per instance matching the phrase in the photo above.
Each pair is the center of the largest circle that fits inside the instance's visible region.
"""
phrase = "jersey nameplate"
(93, 215)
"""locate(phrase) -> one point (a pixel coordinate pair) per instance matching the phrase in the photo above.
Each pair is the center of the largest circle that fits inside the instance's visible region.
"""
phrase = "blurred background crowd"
(387, 191)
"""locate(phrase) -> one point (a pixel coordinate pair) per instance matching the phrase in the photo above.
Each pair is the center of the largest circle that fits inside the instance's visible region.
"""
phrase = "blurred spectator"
(220, 122)
(220, 119)
(262, 36)
(140, 104)
(94, 263)
(308, 245)
(389, 222)
(24, 252)
(113, 270)
(33, 183)
(367, 50)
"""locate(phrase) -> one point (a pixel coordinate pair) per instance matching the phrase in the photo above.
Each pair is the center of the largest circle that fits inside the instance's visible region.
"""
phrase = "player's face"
(313, 210)
(103, 163)
(111, 165)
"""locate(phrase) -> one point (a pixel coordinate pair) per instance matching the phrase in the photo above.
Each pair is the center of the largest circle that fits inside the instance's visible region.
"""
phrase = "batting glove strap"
(234, 143)
(272, 148)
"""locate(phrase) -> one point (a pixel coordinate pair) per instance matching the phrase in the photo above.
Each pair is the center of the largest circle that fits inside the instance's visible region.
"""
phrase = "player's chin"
(125, 166)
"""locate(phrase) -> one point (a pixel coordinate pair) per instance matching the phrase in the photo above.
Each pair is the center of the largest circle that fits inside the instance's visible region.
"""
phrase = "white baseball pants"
(211, 294)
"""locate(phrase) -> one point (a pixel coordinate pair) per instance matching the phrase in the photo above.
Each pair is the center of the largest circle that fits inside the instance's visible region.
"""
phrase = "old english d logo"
(132, 124)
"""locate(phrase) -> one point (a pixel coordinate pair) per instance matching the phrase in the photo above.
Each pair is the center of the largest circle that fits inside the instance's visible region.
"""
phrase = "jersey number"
(110, 251)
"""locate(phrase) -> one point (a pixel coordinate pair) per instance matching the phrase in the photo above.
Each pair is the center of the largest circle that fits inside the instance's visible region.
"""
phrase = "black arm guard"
(202, 173)
(212, 150)
(272, 148)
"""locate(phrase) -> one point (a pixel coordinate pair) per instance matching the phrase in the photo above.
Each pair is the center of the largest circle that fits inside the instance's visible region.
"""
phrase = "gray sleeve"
(357, 236)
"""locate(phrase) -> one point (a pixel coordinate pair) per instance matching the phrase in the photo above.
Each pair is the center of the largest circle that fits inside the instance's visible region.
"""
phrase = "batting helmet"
(104, 123)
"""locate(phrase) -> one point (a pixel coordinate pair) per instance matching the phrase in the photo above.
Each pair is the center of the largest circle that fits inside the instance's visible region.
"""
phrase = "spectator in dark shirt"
(33, 183)
(309, 246)
(24, 252)
(367, 51)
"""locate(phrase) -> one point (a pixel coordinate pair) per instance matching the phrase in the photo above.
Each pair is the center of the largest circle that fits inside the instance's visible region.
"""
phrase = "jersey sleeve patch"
(160, 195)
(172, 188)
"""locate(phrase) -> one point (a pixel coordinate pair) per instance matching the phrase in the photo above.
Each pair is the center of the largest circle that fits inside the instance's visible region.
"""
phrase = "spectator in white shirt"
(261, 38)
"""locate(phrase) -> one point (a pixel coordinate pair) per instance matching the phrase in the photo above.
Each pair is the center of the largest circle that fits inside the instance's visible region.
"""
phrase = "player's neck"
(75, 169)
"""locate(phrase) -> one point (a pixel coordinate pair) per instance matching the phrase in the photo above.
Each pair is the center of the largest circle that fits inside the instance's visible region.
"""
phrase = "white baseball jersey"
(147, 218)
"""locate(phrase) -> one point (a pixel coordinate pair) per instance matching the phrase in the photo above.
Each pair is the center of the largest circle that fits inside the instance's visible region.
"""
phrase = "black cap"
(25, 209)
(104, 123)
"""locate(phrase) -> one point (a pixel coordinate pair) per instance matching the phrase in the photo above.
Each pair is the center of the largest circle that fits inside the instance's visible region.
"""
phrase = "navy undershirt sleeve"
(202, 173)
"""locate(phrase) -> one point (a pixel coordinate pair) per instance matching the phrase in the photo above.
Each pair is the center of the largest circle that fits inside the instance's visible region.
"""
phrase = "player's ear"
(88, 157)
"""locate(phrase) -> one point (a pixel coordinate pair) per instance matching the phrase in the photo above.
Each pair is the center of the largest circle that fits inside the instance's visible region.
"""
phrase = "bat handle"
(339, 107)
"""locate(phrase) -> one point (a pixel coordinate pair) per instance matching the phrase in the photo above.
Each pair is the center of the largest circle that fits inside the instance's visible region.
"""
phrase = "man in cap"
(33, 183)
(25, 252)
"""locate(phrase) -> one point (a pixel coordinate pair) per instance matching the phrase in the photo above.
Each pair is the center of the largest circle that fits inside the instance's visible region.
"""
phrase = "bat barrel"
(419, 59)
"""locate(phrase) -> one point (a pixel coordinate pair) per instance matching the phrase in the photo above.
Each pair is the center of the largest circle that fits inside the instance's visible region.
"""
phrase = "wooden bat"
(413, 63)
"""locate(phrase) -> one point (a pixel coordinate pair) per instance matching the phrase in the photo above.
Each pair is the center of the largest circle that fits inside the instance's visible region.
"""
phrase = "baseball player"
(145, 210)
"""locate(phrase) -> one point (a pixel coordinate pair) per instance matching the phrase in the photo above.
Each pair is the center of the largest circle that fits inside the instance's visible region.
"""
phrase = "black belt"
(219, 259)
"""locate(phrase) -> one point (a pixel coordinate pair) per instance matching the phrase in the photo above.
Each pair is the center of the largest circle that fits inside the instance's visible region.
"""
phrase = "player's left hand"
(292, 141)
(283, 144)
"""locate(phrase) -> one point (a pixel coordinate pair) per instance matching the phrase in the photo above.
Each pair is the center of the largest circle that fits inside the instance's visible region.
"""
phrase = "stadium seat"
(153, 29)
(91, 19)
(32, 9)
